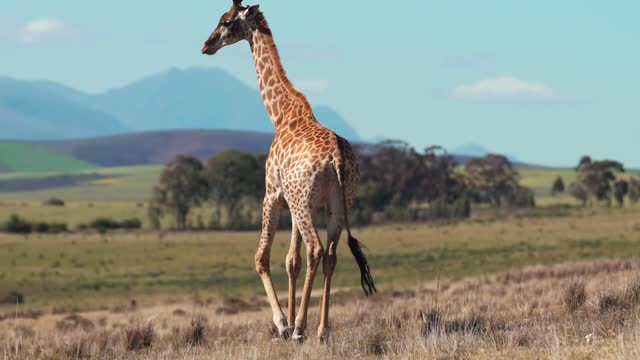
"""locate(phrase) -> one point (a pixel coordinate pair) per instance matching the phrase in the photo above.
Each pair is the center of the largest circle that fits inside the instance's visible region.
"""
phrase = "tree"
(492, 178)
(580, 192)
(182, 186)
(394, 174)
(558, 186)
(234, 176)
(596, 178)
(634, 189)
(621, 189)
(441, 180)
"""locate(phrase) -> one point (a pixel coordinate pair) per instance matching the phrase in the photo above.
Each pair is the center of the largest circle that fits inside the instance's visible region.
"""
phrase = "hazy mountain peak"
(190, 98)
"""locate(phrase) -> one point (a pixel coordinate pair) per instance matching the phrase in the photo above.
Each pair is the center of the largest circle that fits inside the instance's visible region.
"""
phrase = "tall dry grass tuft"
(632, 292)
(575, 295)
(437, 322)
(74, 322)
(611, 302)
(377, 344)
(195, 334)
(76, 347)
(140, 336)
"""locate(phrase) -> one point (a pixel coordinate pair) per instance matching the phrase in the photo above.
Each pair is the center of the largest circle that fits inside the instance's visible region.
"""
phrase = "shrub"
(131, 224)
(140, 336)
(575, 295)
(54, 202)
(12, 298)
(17, 225)
(104, 224)
(52, 228)
(521, 197)
(195, 334)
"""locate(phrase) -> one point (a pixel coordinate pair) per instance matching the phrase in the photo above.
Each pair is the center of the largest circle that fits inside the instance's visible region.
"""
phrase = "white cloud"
(35, 30)
(43, 29)
(313, 85)
(505, 88)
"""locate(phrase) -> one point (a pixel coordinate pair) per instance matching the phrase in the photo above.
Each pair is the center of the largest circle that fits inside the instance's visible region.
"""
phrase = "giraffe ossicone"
(308, 167)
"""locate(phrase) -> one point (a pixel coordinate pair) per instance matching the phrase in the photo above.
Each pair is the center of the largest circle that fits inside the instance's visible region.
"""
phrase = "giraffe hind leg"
(334, 229)
(270, 216)
(315, 252)
(293, 264)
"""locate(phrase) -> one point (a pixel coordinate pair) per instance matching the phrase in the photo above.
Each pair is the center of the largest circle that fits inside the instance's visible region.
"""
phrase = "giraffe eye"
(227, 23)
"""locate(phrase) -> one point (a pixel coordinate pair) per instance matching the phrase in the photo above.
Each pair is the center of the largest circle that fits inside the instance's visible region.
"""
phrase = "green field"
(18, 157)
(119, 184)
(86, 270)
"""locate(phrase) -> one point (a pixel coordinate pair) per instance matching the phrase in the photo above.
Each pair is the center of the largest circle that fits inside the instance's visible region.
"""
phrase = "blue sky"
(547, 81)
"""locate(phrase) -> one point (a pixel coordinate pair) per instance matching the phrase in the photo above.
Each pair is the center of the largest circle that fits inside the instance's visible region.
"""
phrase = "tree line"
(398, 183)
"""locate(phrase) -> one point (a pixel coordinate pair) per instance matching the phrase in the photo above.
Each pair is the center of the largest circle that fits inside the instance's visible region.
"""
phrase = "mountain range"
(195, 98)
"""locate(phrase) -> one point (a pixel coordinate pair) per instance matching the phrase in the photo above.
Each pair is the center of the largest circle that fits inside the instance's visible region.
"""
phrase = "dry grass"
(575, 295)
(587, 310)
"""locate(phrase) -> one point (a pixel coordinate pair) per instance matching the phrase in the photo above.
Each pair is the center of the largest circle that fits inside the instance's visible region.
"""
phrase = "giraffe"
(308, 167)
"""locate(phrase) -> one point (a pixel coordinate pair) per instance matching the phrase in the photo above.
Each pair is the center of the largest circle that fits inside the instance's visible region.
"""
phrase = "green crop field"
(87, 270)
(26, 158)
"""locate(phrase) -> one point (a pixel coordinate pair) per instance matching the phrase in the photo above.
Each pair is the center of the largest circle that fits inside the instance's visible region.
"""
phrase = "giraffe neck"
(278, 93)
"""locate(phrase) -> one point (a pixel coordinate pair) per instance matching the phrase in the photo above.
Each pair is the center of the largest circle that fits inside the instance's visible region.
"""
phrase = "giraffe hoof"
(297, 337)
(286, 333)
(323, 335)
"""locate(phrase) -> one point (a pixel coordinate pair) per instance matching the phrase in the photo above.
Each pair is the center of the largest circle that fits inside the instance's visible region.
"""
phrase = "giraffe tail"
(366, 280)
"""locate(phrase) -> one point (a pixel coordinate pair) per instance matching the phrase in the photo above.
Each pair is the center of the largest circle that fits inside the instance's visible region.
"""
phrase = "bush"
(104, 224)
(54, 202)
(131, 224)
(51, 228)
(521, 197)
(17, 225)
(12, 298)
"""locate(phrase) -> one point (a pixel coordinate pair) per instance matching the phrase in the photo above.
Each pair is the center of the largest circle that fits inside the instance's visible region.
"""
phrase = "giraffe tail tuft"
(366, 280)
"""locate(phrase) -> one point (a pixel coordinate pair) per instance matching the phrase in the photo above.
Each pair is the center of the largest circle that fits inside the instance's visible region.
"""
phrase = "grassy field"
(456, 290)
(127, 184)
(87, 269)
(586, 310)
(26, 158)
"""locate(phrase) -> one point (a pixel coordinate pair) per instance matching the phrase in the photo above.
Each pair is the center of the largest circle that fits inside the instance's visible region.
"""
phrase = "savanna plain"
(555, 281)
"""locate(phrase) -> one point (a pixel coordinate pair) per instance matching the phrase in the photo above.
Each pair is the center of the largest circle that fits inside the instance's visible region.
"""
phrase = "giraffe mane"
(265, 30)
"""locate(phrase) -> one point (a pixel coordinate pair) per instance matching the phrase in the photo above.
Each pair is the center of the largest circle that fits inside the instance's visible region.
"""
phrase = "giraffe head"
(234, 25)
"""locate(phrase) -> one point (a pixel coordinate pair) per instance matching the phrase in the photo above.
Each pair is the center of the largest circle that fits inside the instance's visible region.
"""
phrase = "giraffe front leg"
(315, 253)
(293, 264)
(270, 216)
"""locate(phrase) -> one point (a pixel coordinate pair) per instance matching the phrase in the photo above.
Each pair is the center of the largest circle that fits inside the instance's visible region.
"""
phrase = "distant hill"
(471, 150)
(474, 150)
(157, 147)
(196, 98)
(29, 111)
(22, 157)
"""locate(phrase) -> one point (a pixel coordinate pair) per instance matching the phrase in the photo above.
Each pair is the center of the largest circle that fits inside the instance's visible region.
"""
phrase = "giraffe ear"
(253, 10)
(250, 11)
